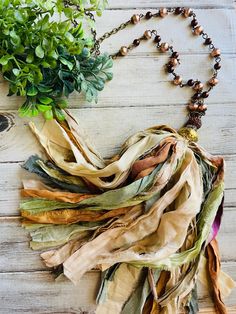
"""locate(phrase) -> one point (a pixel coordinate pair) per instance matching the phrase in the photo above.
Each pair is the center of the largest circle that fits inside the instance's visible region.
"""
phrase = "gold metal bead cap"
(188, 133)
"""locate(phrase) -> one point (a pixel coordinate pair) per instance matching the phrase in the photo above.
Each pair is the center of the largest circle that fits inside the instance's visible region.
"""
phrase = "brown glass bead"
(177, 80)
(135, 19)
(157, 39)
(148, 15)
(136, 42)
(208, 41)
(213, 81)
(217, 66)
(195, 96)
(123, 50)
(169, 68)
(204, 94)
(198, 30)
(175, 54)
(190, 82)
(178, 10)
(194, 23)
(147, 34)
(188, 12)
(163, 12)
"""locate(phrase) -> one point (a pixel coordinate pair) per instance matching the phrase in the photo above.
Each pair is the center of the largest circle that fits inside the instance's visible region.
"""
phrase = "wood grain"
(117, 4)
(37, 292)
(213, 21)
(124, 122)
(156, 88)
(139, 96)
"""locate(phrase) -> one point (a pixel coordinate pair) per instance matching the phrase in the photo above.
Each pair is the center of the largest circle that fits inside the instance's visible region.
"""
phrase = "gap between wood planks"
(196, 7)
(123, 5)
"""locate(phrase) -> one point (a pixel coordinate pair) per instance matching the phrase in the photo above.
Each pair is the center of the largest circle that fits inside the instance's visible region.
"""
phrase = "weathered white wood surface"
(139, 96)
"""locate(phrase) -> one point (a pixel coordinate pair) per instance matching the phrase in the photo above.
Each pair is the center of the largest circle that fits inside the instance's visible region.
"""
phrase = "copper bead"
(135, 19)
(177, 80)
(188, 12)
(202, 108)
(123, 50)
(163, 12)
(192, 107)
(215, 52)
(173, 61)
(213, 81)
(198, 30)
(147, 34)
(198, 86)
(164, 47)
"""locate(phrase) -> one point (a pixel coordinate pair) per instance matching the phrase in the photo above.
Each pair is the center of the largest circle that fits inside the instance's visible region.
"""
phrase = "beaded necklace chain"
(196, 106)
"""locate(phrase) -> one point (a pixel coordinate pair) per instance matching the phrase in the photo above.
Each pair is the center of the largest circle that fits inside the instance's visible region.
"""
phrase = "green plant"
(44, 59)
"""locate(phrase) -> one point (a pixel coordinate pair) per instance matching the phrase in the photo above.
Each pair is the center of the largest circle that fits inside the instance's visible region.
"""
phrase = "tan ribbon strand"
(214, 271)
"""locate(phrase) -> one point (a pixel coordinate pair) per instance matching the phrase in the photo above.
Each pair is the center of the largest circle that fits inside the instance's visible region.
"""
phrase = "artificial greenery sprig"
(44, 53)
(81, 73)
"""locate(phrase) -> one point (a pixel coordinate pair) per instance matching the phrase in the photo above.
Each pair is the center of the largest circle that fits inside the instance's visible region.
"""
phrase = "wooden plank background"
(139, 96)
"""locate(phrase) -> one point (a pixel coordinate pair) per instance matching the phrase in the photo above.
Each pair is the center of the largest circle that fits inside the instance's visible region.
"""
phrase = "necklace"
(147, 217)
(196, 107)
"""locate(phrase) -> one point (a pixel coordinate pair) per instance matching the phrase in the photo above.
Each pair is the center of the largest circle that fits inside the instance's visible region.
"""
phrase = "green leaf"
(69, 37)
(43, 108)
(67, 63)
(48, 115)
(34, 111)
(62, 103)
(78, 31)
(30, 58)
(15, 39)
(53, 54)
(18, 16)
(45, 64)
(16, 72)
(108, 75)
(4, 60)
(26, 109)
(59, 114)
(85, 53)
(39, 51)
(98, 84)
(89, 95)
(45, 100)
(84, 86)
(32, 91)
(44, 89)
(109, 63)
(6, 31)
